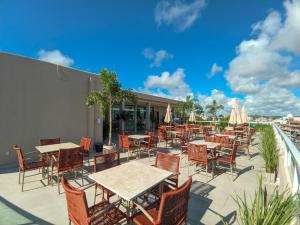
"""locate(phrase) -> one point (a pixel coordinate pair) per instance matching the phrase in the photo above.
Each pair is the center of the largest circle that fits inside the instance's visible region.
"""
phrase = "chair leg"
(23, 180)
(82, 176)
(58, 183)
(19, 175)
(95, 194)
(69, 221)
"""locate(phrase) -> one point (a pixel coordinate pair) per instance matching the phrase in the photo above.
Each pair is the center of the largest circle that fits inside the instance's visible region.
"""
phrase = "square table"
(131, 179)
(210, 145)
(226, 135)
(138, 137)
(55, 147)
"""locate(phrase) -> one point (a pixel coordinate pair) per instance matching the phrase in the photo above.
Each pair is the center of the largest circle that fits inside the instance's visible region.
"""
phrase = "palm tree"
(214, 108)
(188, 105)
(111, 94)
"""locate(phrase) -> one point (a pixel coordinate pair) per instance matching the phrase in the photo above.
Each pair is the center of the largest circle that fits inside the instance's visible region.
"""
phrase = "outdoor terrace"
(211, 200)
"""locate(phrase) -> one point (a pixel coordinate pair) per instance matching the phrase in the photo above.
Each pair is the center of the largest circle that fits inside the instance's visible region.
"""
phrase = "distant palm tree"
(187, 106)
(214, 108)
(111, 94)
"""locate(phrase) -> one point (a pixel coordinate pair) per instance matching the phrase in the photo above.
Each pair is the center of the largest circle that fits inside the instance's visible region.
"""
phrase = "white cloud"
(215, 69)
(168, 85)
(178, 13)
(263, 68)
(220, 97)
(56, 57)
(157, 57)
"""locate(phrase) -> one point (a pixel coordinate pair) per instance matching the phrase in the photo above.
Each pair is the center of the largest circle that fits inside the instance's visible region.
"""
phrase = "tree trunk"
(110, 124)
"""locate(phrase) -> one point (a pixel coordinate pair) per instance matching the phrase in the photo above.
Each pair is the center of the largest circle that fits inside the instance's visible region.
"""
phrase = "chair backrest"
(197, 153)
(209, 138)
(167, 162)
(125, 141)
(174, 205)
(162, 134)
(225, 142)
(233, 153)
(20, 157)
(76, 204)
(50, 141)
(229, 132)
(85, 143)
(70, 158)
(106, 161)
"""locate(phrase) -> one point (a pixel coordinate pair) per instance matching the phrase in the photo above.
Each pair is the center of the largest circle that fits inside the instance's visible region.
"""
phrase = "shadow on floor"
(12, 214)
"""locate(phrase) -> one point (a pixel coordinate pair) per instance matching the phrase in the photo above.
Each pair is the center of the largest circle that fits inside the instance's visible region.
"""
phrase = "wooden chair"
(49, 141)
(244, 143)
(172, 210)
(170, 163)
(228, 158)
(183, 145)
(198, 154)
(128, 145)
(163, 136)
(85, 143)
(79, 213)
(25, 165)
(69, 159)
(103, 162)
(150, 143)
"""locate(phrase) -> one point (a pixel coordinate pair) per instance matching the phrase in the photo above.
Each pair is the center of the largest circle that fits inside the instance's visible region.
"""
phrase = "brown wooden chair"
(228, 158)
(79, 213)
(163, 136)
(198, 154)
(150, 143)
(244, 143)
(69, 159)
(49, 141)
(103, 162)
(183, 144)
(128, 145)
(172, 210)
(170, 163)
(25, 165)
(85, 143)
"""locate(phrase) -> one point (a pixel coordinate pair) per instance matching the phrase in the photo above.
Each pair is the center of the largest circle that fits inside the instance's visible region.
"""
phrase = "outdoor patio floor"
(211, 200)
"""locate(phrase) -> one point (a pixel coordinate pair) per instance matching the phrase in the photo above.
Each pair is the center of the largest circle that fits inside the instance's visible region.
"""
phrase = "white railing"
(291, 158)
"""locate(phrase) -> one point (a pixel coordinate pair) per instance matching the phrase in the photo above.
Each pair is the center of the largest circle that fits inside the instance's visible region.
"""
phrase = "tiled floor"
(211, 200)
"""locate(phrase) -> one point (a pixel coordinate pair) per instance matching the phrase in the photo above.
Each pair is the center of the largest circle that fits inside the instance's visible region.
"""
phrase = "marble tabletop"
(226, 135)
(210, 145)
(131, 179)
(55, 147)
(138, 136)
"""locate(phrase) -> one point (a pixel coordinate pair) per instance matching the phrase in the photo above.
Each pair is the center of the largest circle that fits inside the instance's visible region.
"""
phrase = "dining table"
(131, 180)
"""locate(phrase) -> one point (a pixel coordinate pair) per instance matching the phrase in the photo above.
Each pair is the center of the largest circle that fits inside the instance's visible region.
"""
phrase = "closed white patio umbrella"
(235, 116)
(244, 115)
(192, 117)
(168, 116)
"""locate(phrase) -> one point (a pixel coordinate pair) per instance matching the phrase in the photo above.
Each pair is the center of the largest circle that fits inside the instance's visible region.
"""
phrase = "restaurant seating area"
(179, 173)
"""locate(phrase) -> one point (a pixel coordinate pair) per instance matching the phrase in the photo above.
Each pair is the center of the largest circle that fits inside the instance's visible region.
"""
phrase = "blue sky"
(140, 40)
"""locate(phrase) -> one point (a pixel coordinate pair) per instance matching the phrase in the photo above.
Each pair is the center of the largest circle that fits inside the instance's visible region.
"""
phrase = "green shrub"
(278, 209)
(269, 148)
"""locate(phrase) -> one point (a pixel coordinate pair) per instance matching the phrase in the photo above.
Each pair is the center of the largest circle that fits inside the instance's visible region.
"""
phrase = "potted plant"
(269, 152)
(262, 209)
(111, 94)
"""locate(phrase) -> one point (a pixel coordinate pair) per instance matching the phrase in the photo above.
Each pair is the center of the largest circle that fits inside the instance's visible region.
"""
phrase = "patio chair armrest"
(53, 158)
(144, 211)
(88, 186)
